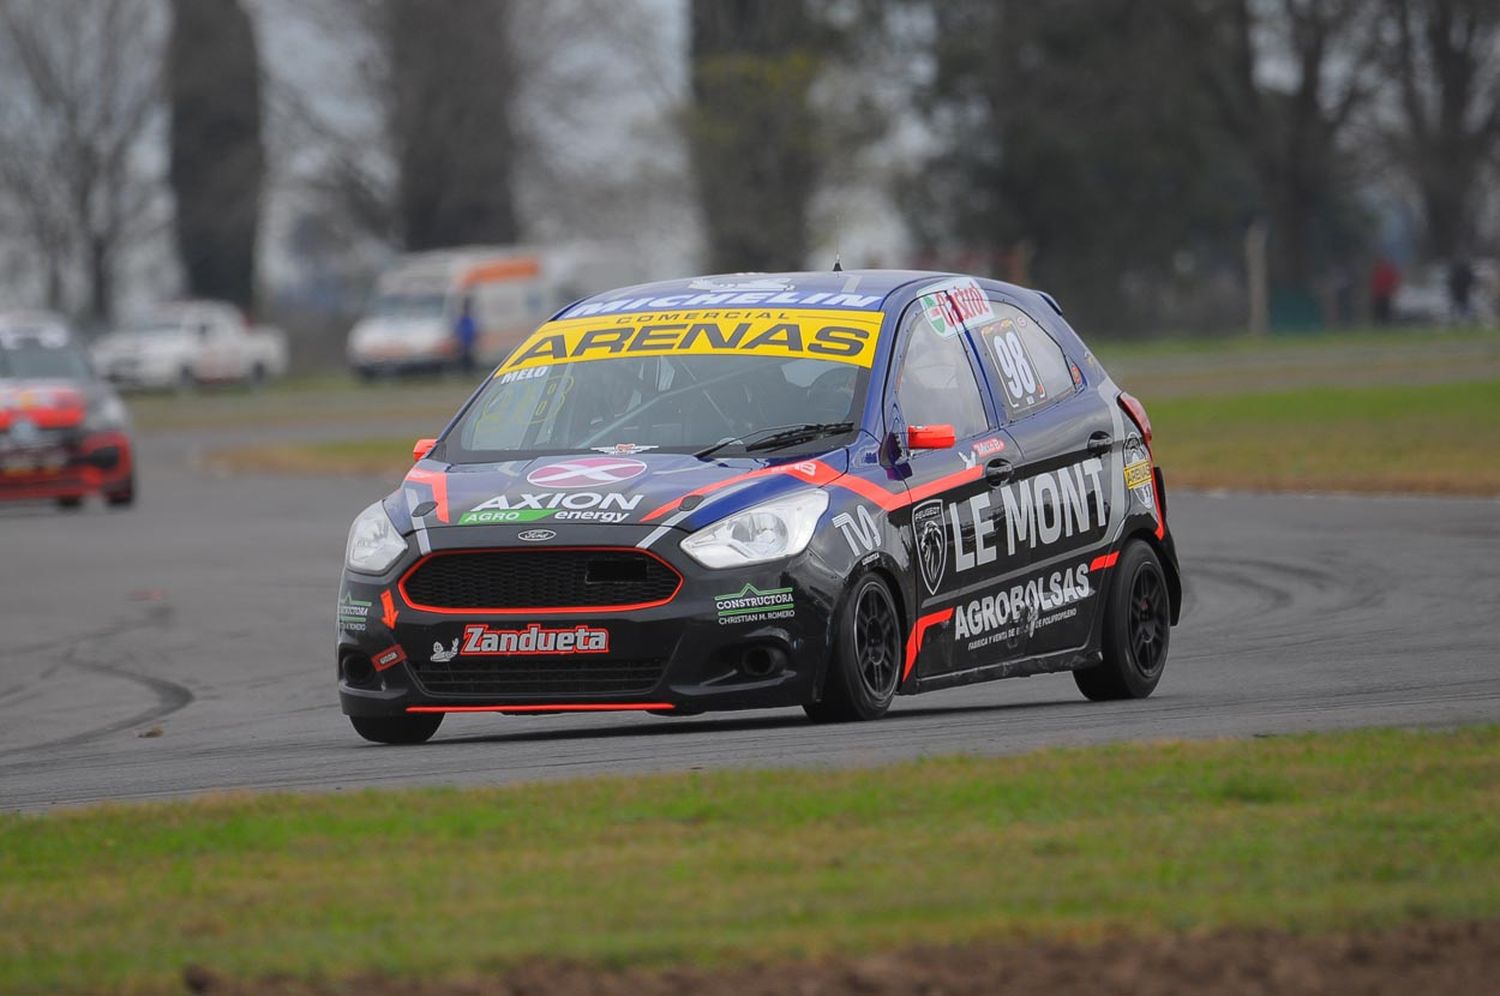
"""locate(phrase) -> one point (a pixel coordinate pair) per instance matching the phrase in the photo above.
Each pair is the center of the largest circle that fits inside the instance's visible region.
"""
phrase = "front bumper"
(736, 639)
(69, 466)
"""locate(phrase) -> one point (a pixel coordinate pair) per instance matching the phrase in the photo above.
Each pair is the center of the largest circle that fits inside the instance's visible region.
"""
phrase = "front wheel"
(416, 729)
(1137, 628)
(866, 665)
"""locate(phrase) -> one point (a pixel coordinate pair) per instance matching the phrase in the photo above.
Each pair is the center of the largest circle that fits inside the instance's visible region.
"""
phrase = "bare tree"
(1446, 61)
(1288, 77)
(81, 79)
(216, 158)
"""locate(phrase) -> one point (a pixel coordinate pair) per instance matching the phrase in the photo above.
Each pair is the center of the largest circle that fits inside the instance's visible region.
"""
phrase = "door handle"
(1100, 442)
(999, 471)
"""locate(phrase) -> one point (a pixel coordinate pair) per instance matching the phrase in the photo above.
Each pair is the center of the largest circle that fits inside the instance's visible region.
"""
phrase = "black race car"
(752, 491)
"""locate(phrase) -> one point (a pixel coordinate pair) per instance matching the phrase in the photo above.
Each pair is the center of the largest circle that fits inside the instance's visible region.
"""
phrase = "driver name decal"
(841, 336)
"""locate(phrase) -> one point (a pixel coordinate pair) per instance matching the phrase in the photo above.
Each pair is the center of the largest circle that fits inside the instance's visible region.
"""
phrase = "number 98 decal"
(1022, 387)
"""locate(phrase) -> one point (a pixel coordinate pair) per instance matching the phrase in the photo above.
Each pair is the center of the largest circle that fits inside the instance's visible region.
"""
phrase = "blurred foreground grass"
(1308, 833)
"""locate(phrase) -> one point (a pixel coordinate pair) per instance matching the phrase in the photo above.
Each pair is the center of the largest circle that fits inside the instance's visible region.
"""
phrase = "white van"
(411, 322)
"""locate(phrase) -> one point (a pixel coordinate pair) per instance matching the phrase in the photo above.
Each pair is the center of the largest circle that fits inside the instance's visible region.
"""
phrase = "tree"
(1291, 123)
(1446, 62)
(449, 103)
(442, 76)
(82, 96)
(217, 164)
(1073, 134)
(753, 132)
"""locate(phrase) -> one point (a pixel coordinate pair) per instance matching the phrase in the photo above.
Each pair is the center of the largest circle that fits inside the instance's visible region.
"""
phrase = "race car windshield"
(677, 403)
(34, 361)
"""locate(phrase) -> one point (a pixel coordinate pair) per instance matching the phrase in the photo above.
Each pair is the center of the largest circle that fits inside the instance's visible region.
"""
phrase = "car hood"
(47, 404)
(668, 489)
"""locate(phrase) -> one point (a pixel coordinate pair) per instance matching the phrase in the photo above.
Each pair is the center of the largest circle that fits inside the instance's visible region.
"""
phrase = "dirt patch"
(1439, 958)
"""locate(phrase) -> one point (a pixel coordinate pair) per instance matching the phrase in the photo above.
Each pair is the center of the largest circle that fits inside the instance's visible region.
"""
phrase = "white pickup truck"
(195, 342)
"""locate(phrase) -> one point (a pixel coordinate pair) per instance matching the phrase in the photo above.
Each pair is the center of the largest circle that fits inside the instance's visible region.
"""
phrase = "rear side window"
(936, 385)
(1029, 366)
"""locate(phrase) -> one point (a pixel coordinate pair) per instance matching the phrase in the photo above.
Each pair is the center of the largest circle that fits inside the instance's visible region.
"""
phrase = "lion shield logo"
(932, 542)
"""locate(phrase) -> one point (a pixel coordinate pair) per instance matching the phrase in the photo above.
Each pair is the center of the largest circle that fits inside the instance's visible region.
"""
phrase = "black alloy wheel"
(866, 665)
(1137, 629)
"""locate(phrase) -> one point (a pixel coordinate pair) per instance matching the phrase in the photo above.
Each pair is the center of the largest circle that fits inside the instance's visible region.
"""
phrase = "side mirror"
(422, 448)
(930, 437)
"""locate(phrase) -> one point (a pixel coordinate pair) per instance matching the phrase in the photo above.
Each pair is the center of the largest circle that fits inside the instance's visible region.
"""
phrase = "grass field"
(1308, 833)
(1440, 438)
(1414, 412)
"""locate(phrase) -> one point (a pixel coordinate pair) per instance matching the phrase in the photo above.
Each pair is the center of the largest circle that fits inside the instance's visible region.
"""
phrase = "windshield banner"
(841, 336)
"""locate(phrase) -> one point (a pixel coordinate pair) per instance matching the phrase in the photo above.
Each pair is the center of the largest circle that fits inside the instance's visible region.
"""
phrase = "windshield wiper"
(776, 436)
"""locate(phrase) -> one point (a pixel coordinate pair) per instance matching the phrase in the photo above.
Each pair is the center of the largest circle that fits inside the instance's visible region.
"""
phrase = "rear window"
(1030, 368)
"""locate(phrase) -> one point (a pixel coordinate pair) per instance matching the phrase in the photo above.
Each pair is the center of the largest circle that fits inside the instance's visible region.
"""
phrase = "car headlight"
(109, 413)
(374, 544)
(769, 531)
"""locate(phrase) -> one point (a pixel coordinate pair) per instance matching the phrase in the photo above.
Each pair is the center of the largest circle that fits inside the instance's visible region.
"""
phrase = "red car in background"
(64, 434)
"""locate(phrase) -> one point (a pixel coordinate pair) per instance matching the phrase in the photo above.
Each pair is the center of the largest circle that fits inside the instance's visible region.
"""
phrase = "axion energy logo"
(586, 472)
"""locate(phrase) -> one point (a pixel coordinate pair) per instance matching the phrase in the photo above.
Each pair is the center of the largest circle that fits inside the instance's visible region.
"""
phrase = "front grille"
(500, 580)
(546, 676)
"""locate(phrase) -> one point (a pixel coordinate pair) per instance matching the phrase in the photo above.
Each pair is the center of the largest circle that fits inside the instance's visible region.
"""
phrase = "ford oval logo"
(535, 535)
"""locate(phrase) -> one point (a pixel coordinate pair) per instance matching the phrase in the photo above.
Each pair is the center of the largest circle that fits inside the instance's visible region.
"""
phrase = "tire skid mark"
(170, 696)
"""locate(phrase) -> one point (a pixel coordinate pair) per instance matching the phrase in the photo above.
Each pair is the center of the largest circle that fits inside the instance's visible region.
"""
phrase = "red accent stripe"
(561, 707)
(918, 632)
(438, 481)
(1107, 560)
(888, 500)
(1161, 518)
(536, 610)
(943, 484)
(716, 485)
(824, 475)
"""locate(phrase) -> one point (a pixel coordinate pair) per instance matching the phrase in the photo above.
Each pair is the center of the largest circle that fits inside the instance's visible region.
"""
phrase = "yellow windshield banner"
(841, 336)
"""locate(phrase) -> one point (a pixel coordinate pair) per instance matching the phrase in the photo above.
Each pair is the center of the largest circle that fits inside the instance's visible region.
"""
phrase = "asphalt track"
(205, 615)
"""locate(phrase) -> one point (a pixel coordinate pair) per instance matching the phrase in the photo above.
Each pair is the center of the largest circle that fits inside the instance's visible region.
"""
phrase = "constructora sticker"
(841, 336)
(751, 604)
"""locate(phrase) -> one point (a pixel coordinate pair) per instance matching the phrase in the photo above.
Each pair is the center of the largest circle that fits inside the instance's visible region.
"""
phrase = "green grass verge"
(374, 456)
(1308, 833)
(1440, 438)
(1437, 438)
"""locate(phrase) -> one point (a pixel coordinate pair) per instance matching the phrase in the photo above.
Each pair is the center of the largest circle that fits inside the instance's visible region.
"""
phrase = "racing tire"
(70, 502)
(866, 665)
(1137, 630)
(123, 498)
(416, 729)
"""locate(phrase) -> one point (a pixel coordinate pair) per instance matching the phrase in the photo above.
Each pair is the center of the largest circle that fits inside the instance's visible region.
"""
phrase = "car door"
(1058, 504)
(935, 381)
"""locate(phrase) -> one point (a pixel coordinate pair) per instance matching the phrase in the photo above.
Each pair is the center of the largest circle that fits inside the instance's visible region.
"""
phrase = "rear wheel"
(70, 501)
(416, 729)
(866, 665)
(1137, 629)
